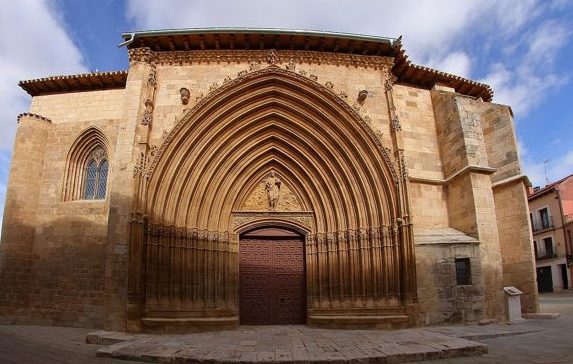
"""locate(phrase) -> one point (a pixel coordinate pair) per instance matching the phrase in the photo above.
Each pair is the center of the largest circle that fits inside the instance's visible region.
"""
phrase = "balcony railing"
(542, 224)
(549, 255)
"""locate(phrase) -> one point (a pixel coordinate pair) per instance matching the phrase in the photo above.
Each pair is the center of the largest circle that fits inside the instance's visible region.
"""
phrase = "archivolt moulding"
(273, 70)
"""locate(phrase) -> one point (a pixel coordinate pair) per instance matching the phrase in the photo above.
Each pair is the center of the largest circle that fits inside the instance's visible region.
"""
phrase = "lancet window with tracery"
(96, 176)
(87, 167)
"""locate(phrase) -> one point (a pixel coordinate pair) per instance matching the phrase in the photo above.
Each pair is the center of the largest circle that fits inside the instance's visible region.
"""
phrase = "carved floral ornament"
(144, 161)
(215, 90)
(304, 219)
(270, 57)
(152, 78)
(396, 124)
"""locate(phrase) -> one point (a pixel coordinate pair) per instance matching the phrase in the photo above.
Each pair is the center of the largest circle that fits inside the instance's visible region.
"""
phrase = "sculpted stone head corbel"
(362, 97)
(185, 95)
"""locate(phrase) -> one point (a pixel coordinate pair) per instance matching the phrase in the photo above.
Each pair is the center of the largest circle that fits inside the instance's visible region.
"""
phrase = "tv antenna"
(545, 170)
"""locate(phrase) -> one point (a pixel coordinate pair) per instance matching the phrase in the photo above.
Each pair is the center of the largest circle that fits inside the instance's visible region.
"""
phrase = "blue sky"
(522, 48)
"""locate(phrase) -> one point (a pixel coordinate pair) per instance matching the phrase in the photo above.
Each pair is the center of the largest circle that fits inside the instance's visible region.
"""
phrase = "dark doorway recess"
(272, 277)
(564, 276)
(544, 280)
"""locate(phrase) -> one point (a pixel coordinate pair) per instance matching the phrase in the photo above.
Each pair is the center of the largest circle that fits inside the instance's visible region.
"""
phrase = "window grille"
(95, 182)
(91, 176)
(102, 180)
(463, 272)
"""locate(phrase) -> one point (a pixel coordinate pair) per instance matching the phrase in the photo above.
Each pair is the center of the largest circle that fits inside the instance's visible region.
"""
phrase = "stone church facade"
(236, 176)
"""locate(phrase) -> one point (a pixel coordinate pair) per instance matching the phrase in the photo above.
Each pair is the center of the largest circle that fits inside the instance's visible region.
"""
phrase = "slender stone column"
(122, 191)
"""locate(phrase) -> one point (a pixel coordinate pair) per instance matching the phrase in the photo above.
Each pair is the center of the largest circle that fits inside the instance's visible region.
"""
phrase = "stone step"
(290, 344)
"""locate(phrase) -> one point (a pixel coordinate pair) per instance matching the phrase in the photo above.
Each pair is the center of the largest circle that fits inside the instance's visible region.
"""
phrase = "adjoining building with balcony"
(551, 214)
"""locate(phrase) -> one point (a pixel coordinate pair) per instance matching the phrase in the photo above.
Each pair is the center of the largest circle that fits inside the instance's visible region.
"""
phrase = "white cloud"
(34, 43)
(457, 62)
(540, 173)
(526, 84)
(427, 26)
(433, 32)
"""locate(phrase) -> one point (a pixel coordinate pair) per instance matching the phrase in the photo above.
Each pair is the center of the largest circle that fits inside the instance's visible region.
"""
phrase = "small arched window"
(96, 175)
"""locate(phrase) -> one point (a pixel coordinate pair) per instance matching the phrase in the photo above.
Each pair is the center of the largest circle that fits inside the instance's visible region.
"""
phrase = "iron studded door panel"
(272, 282)
(255, 282)
(289, 282)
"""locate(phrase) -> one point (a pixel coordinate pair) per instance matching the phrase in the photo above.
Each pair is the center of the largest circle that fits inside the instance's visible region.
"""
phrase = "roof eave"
(246, 30)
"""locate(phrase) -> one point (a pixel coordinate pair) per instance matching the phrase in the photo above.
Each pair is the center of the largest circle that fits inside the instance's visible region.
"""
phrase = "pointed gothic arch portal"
(329, 177)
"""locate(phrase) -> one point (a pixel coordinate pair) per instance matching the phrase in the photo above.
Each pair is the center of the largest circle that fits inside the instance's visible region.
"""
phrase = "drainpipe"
(567, 243)
(127, 41)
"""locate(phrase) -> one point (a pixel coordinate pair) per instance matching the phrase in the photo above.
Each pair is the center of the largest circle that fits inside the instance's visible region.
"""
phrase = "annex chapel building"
(250, 176)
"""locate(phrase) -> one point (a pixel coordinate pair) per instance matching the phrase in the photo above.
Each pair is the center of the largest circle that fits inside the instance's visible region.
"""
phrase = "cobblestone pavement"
(545, 341)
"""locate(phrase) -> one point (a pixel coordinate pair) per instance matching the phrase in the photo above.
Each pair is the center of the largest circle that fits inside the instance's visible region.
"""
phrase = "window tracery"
(87, 167)
(96, 176)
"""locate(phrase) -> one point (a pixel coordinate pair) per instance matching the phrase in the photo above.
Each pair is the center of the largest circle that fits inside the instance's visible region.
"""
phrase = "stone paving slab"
(472, 332)
(288, 344)
(541, 316)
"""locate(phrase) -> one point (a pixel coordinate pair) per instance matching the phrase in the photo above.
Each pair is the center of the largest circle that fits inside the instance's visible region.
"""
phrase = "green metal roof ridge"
(130, 36)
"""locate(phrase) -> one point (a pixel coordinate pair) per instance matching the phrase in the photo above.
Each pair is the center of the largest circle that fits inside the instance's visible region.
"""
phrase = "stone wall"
(20, 218)
(64, 284)
(442, 300)
(469, 190)
(67, 262)
(511, 210)
(79, 106)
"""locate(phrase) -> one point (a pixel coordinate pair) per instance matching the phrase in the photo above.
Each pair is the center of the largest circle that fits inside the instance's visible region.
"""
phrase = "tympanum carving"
(273, 189)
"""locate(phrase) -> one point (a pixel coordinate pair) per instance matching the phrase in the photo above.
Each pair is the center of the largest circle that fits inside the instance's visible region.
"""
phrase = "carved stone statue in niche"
(273, 188)
(185, 94)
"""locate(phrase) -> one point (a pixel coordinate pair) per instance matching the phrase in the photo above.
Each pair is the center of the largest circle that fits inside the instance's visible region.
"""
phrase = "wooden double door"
(272, 278)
